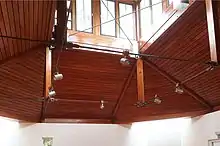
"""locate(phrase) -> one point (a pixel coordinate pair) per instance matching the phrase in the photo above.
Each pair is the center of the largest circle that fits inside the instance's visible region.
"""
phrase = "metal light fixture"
(157, 100)
(57, 76)
(51, 93)
(178, 89)
(124, 60)
(102, 104)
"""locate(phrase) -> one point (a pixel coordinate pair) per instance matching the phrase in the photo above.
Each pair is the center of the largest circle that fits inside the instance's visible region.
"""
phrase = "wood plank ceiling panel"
(189, 42)
(22, 74)
(155, 84)
(22, 85)
(91, 76)
(25, 19)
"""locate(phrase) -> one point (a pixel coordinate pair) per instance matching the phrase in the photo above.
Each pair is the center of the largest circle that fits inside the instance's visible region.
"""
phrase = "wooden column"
(213, 28)
(48, 74)
(140, 80)
(47, 82)
(96, 16)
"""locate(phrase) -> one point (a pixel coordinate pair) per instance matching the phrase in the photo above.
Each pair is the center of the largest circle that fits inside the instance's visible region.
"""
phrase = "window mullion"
(73, 15)
(96, 16)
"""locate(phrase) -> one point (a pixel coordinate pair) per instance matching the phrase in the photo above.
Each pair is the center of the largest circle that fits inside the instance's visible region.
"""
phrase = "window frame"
(133, 20)
(74, 12)
(115, 6)
(164, 8)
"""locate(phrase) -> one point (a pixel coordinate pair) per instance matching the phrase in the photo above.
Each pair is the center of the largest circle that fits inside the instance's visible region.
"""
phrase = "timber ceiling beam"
(212, 14)
(175, 81)
(124, 89)
(140, 80)
(61, 23)
(47, 82)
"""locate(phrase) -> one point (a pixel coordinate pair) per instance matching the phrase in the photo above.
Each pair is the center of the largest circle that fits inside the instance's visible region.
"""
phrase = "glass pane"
(157, 12)
(108, 28)
(70, 16)
(146, 19)
(55, 21)
(68, 4)
(128, 28)
(69, 25)
(83, 15)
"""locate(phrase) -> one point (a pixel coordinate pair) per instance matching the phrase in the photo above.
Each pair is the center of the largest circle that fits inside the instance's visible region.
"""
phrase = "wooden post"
(140, 80)
(213, 29)
(48, 83)
(48, 74)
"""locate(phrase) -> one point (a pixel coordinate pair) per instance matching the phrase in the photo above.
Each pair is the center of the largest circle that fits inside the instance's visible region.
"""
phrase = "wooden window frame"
(74, 18)
(116, 20)
(133, 19)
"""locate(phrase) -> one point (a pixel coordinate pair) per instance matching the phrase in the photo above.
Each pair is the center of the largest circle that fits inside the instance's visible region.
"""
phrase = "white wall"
(202, 129)
(9, 132)
(159, 133)
(172, 132)
(74, 135)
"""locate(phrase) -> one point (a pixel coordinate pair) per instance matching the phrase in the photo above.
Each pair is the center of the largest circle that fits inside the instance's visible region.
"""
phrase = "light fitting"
(178, 89)
(51, 93)
(124, 60)
(157, 100)
(102, 104)
(57, 76)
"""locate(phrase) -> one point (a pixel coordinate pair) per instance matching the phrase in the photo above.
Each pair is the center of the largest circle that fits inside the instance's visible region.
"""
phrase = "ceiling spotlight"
(102, 104)
(157, 100)
(51, 93)
(57, 76)
(124, 60)
(178, 89)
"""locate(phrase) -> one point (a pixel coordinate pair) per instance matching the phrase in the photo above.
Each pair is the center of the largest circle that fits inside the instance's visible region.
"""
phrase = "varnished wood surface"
(96, 76)
(188, 39)
(25, 19)
(22, 63)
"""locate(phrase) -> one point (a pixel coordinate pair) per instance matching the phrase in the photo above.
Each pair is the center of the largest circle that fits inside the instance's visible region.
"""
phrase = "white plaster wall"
(202, 129)
(159, 133)
(74, 134)
(172, 132)
(9, 132)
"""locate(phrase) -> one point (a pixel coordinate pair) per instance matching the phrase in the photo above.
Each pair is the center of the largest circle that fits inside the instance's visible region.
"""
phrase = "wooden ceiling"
(188, 39)
(23, 62)
(93, 76)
